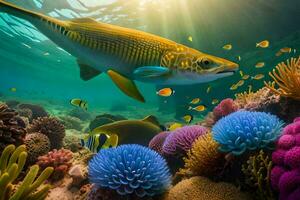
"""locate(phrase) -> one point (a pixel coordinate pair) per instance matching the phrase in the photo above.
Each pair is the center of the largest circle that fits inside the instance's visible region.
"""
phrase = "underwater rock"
(12, 103)
(71, 122)
(12, 127)
(147, 175)
(37, 144)
(77, 174)
(80, 114)
(60, 160)
(51, 127)
(245, 130)
(37, 110)
(72, 140)
(285, 176)
(32, 187)
(202, 188)
(224, 108)
(157, 142)
(104, 119)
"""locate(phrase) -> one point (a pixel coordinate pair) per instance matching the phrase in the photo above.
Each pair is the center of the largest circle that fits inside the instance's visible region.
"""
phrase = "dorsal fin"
(87, 72)
(152, 119)
(84, 20)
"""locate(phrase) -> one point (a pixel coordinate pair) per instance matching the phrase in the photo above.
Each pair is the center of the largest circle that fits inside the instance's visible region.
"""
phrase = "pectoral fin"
(126, 85)
(152, 119)
(87, 72)
(150, 72)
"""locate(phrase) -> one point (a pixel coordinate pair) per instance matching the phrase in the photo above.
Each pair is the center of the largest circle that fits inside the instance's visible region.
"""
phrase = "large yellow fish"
(126, 54)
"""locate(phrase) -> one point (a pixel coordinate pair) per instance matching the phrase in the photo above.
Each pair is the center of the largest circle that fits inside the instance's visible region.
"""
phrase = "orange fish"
(165, 92)
(259, 65)
(240, 83)
(263, 44)
(245, 77)
(258, 77)
(195, 101)
(286, 50)
(199, 108)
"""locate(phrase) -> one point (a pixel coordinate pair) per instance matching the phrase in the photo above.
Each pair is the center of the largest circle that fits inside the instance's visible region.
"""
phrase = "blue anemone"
(246, 130)
(130, 169)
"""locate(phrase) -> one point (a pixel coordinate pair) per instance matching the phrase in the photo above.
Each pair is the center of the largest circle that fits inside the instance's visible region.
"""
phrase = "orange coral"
(287, 77)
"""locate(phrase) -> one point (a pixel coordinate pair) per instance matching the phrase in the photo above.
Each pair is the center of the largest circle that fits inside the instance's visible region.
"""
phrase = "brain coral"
(225, 107)
(130, 169)
(37, 144)
(201, 188)
(244, 130)
(52, 128)
(203, 159)
(180, 140)
(157, 141)
(285, 175)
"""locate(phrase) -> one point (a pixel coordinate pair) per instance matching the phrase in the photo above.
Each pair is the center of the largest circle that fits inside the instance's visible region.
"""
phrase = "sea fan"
(246, 130)
(130, 169)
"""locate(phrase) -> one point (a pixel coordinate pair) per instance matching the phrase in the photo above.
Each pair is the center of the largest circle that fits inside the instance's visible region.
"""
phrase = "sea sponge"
(287, 78)
(37, 144)
(180, 141)
(12, 127)
(244, 130)
(130, 170)
(157, 141)
(60, 160)
(12, 162)
(202, 188)
(37, 110)
(225, 107)
(204, 159)
(52, 128)
(257, 172)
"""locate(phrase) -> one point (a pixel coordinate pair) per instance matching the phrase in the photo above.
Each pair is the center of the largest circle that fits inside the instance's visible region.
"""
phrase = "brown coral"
(202, 188)
(52, 128)
(60, 160)
(12, 127)
(37, 144)
(37, 111)
(203, 159)
(287, 78)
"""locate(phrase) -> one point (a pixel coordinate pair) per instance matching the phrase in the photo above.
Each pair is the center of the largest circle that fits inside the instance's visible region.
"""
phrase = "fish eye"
(204, 62)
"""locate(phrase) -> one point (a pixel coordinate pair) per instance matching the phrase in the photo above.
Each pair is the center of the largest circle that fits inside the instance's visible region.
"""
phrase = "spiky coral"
(257, 173)
(11, 127)
(12, 162)
(204, 159)
(37, 144)
(60, 160)
(52, 128)
(157, 141)
(287, 78)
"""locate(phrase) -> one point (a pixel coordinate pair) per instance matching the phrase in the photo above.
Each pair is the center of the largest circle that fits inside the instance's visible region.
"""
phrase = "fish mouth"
(229, 69)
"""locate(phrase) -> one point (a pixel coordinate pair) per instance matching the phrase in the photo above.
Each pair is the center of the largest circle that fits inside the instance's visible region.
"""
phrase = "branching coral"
(11, 127)
(257, 173)
(60, 160)
(130, 170)
(244, 130)
(52, 128)
(287, 78)
(204, 159)
(12, 162)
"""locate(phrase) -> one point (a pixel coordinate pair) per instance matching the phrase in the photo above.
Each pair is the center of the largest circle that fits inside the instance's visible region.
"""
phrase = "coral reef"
(204, 158)
(285, 175)
(52, 128)
(180, 141)
(12, 127)
(287, 78)
(60, 160)
(72, 140)
(257, 173)
(104, 119)
(37, 144)
(157, 141)
(130, 170)
(37, 110)
(80, 114)
(12, 162)
(71, 122)
(202, 188)
(244, 130)
(25, 112)
(225, 107)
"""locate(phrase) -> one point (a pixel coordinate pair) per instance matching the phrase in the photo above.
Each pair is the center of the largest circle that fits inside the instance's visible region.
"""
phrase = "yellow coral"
(287, 78)
(204, 159)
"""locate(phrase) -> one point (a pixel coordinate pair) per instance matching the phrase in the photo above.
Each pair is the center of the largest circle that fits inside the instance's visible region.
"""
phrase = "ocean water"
(34, 70)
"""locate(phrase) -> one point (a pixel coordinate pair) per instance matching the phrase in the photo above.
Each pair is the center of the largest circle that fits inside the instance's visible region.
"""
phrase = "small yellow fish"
(239, 58)
(195, 101)
(199, 108)
(188, 118)
(13, 89)
(263, 44)
(214, 101)
(174, 126)
(190, 38)
(259, 65)
(240, 83)
(279, 53)
(208, 89)
(241, 73)
(227, 47)
(165, 92)
(258, 77)
(233, 87)
(246, 76)
(99, 141)
(79, 103)
(286, 50)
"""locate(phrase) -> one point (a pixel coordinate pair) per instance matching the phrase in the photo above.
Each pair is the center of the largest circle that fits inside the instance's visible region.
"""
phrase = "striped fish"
(99, 141)
(126, 54)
